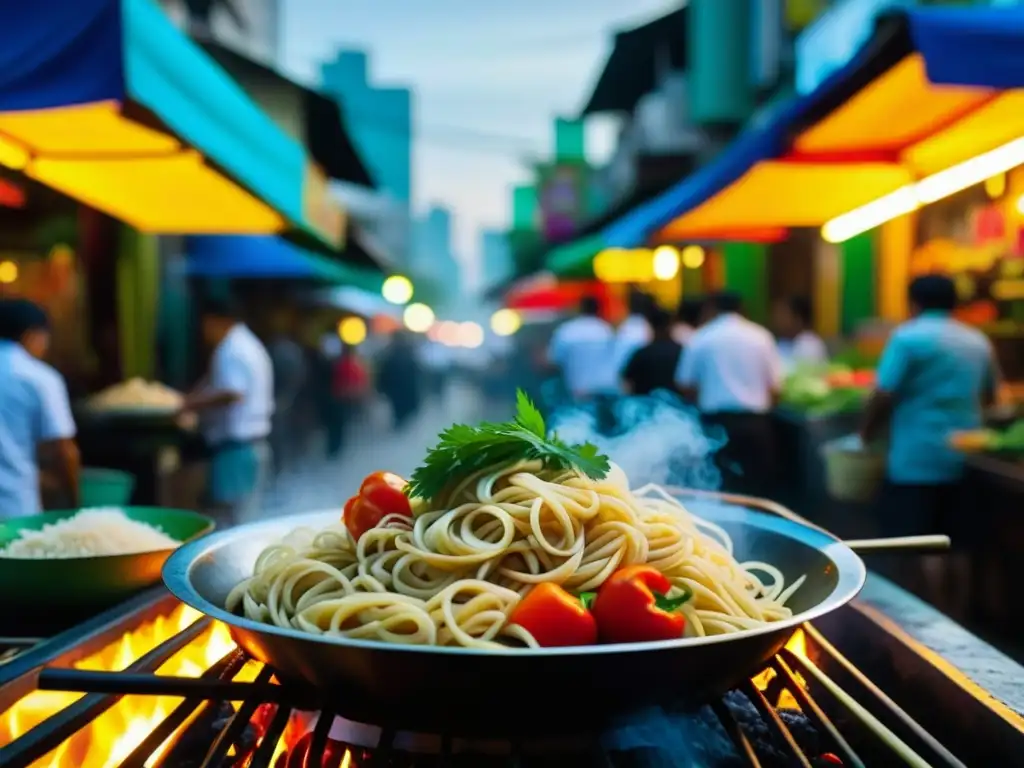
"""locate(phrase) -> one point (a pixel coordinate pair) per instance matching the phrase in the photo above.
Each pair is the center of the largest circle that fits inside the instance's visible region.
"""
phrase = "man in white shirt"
(237, 403)
(732, 370)
(799, 345)
(35, 413)
(582, 349)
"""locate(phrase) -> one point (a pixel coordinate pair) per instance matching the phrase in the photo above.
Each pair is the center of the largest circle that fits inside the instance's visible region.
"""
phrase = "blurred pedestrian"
(236, 404)
(935, 377)
(799, 345)
(36, 425)
(653, 366)
(289, 364)
(732, 370)
(349, 389)
(634, 332)
(400, 379)
(688, 320)
(582, 349)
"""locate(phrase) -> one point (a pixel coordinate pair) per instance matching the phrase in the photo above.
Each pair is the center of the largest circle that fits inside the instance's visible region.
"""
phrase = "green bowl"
(87, 583)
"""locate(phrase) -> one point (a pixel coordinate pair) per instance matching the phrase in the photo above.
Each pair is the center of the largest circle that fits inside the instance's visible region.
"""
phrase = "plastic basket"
(105, 488)
(852, 474)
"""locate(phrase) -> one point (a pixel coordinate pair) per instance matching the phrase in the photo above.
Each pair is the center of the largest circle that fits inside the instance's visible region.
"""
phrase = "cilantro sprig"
(463, 450)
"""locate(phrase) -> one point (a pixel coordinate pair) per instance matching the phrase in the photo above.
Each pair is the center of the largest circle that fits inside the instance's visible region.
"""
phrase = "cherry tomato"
(380, 495)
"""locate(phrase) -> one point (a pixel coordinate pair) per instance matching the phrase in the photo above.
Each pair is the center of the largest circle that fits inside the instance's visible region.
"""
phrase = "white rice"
(90, 533)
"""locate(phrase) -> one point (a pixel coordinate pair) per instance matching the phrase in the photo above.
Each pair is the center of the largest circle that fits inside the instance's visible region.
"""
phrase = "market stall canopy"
(575, 258)
(916, 115)
(358, 302)
(322, 128)
(107, 102)
(269, 257)
(639, 57)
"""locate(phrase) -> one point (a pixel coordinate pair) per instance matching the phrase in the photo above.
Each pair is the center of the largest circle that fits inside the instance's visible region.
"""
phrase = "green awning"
(576, 259)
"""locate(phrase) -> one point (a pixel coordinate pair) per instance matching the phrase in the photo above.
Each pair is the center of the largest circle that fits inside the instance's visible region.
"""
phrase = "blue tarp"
(982, 47)
(65, 52)
(248, 256)
(267, 258)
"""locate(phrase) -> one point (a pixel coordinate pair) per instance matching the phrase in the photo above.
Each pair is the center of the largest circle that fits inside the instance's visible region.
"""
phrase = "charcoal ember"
(769, 747)
(803, 730)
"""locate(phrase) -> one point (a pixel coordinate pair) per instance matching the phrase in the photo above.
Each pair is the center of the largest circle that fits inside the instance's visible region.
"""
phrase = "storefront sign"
(834, 39)
(562, 206)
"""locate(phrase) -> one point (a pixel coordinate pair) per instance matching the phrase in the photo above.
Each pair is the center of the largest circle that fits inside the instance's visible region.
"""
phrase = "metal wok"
(553, 689)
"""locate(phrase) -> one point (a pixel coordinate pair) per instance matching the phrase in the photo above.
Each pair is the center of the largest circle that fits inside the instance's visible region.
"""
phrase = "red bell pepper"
(632, 607)
(554, 617)
(380, 495)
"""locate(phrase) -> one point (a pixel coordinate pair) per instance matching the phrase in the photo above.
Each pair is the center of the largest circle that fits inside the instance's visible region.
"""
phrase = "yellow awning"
(141, 175)
(786, 194)
(897, 130)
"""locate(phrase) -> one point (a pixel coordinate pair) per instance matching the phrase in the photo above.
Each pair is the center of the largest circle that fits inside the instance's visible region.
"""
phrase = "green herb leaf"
(588, 598)
(528, 416)
(463, 450)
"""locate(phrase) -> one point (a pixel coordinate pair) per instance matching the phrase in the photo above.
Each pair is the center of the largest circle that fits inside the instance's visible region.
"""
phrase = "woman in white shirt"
(798, 344)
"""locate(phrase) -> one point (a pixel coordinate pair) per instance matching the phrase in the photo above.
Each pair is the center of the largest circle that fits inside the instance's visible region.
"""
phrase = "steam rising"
(655, 439)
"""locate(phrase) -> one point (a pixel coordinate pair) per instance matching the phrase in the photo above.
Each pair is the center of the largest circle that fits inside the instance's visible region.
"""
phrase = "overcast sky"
(488, 79)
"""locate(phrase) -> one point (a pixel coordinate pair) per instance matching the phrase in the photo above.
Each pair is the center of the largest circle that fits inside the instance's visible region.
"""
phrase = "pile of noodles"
(453, 575)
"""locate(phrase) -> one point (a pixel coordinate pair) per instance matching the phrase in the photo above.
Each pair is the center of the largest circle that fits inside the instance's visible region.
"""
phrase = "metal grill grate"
(823, 725)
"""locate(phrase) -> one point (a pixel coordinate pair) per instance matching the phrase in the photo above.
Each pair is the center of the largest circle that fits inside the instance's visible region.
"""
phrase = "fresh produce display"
(821, 391)
(1009, 440)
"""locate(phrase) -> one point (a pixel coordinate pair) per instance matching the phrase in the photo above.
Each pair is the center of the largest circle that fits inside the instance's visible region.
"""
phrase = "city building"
(432, 258)
(495, 257)
(248, 27)
(380, 119)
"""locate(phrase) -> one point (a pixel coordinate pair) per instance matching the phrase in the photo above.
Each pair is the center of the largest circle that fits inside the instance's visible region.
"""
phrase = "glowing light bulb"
(418, 318)
(397, 289)
(506, 322)
(352, 330)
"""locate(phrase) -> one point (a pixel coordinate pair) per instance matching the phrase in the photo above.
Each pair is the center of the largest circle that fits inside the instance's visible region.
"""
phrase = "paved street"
(371, 445)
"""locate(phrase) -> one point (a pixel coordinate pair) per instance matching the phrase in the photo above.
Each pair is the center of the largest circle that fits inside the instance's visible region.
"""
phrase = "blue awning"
(66, 53)
(980, 47)
(267, 258)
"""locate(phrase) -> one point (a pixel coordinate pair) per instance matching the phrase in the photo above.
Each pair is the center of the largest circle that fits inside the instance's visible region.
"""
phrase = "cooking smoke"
(655, 439)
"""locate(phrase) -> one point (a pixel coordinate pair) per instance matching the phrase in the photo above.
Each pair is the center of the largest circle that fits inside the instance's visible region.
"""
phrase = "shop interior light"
(929, 190)
(8, 272)
(665, 262)
(418, 318)
(352, 330)
(693, 257)
(471, 335)
(995, 186)
(397, 289)
(1020, 205)
(619, 265)
(506, 322)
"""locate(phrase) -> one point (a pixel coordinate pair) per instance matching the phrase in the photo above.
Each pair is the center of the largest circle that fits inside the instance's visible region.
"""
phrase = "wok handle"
(900, 544)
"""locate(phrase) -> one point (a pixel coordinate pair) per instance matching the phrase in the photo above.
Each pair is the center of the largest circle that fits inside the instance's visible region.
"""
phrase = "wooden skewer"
(900, 543)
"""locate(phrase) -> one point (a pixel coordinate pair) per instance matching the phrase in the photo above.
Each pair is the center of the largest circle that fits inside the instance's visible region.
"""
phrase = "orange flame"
(798, 645)
(112, 736)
